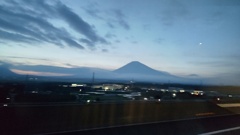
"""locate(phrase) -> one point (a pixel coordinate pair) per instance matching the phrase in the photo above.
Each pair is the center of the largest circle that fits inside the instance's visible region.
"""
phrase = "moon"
(200, 44)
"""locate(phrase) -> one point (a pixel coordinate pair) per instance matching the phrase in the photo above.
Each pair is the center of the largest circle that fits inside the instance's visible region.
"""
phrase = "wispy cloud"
(30, 22)
(78, 24)
(110, 35)
(216, 64)
(104, 50)
(18, 57)
(159, 40)
(173, 10)
(120, 18)
(115, 17)
(4, 35)
(93, 10)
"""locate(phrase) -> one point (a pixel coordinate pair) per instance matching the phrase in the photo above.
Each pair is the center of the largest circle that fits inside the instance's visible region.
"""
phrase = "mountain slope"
(141, 72)
(136, 67)
(5, 72)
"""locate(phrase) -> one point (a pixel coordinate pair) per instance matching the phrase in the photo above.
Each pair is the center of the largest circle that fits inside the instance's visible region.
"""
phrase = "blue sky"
(182, 37)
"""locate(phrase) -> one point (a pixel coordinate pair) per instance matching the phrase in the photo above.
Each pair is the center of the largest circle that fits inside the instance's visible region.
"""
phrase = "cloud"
(193, 75)
(92, 10)
(29, 22)
(4, 35)
(17, 57)
(78, 24)
(117, 41)
(120, 18)
(104, 50)
(159, 40)
(218, 64)
(72, 43)
(112, 17)
(172, 11)
(110, 35)
(86, 41)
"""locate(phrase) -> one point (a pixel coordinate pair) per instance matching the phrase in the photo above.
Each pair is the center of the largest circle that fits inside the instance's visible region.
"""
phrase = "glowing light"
(74, 85)
(24, 72)
(182, 91)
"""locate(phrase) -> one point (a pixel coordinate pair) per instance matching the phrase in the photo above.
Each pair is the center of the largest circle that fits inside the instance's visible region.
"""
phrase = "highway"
(217, 125)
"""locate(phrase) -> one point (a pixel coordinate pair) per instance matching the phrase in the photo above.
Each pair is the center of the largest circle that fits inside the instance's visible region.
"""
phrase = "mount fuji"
(136, 67)
(141, 72)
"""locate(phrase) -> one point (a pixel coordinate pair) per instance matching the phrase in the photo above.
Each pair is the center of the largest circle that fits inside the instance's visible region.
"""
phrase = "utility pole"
(93, 78)
(26, 82)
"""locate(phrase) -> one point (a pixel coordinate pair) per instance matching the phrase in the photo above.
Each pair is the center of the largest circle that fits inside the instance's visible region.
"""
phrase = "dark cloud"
(72, 43)
(28, 22)
(10, 26)
(4, 35)
(135, 42)
(78, 24)
(117, 41)
(110, 25)
(121, 19)
(193, 75)
(71, 65)
(110, 35)
(104, 50)
(89, 43)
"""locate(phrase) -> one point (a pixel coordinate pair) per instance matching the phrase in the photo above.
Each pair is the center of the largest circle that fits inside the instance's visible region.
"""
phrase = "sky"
(182, 37)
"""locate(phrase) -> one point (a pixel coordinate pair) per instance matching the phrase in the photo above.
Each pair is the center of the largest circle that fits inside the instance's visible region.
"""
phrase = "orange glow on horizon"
(24, 72)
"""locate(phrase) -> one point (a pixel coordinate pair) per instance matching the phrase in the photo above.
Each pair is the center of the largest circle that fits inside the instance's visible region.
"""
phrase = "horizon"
(144, 73)
(181, 37)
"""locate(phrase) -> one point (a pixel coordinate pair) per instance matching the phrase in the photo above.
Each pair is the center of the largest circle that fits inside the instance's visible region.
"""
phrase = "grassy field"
(29, 120)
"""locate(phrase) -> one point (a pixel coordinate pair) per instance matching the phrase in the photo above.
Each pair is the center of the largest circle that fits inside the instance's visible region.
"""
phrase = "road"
(219, 125)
